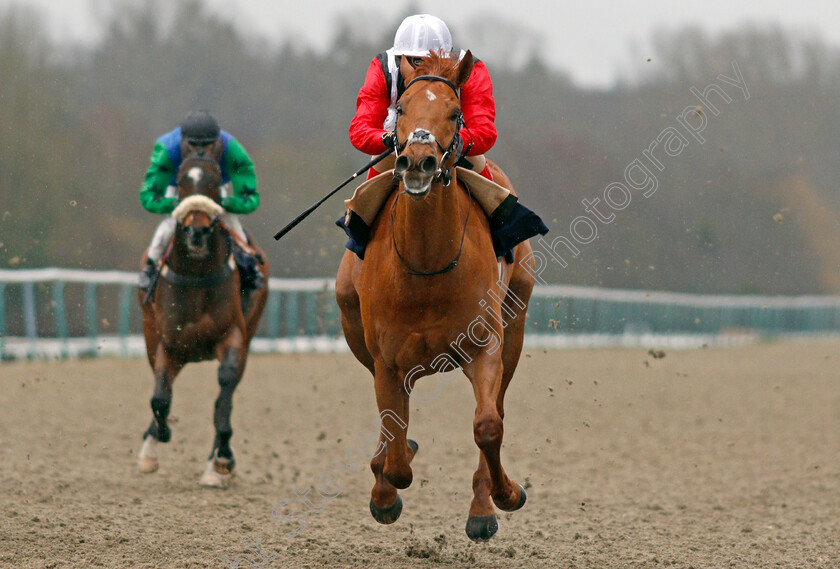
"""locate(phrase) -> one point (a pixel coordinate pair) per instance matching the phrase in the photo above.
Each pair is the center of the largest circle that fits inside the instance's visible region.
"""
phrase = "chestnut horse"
(431, 296)
(197, 313)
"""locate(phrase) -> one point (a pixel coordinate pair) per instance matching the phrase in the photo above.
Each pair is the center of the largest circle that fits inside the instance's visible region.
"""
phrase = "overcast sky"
(590, 40)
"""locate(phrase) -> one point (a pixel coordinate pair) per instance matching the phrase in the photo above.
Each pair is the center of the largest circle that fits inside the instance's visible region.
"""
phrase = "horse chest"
(423, 333)
(195, 336)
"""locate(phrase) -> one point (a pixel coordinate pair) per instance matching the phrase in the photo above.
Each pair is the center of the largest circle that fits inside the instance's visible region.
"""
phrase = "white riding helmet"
(420, 34)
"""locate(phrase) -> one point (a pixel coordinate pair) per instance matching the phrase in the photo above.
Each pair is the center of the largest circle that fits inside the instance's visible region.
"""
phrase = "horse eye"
(399, 110)
(455, 116)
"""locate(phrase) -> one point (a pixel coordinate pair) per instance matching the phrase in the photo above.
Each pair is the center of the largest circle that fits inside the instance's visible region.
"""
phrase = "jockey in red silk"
(371, 128)
(198, 131)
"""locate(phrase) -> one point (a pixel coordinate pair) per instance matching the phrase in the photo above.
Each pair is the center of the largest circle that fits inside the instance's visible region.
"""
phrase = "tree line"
(751, 209)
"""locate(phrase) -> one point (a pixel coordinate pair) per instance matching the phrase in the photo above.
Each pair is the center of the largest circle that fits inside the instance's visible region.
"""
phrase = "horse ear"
(465, 68)
(406, 70)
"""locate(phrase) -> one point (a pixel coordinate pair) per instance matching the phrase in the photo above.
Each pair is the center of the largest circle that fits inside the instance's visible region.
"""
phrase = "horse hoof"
(147, 464)
(412, 444)
(147, 461)
(482, 528)
(211, 478)
(224, 466)
(387, 515)
(519, 504)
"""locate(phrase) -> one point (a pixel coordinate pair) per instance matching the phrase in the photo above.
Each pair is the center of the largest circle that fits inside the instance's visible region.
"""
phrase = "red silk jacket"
(374, 99)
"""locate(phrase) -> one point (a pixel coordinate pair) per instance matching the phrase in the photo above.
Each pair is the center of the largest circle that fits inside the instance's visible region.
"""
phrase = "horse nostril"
(429, 165)
(197, 236)
(401, 165)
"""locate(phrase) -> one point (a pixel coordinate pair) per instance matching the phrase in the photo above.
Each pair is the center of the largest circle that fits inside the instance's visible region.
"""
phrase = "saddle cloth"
(511, 223)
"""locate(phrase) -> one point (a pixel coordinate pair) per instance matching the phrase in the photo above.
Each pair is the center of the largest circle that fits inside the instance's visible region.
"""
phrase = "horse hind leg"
(147, 461)
(516, 301)
(383, 491)
(518, 294)
(253, 310)
(489, 480)
(481, 522)
(512, 349)
(221, 461)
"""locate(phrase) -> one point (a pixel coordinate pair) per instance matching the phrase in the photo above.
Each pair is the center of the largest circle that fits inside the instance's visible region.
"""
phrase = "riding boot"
(249, 272)
(147, 275)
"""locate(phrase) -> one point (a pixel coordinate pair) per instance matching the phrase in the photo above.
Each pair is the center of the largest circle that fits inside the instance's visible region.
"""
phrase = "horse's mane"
(436, 63)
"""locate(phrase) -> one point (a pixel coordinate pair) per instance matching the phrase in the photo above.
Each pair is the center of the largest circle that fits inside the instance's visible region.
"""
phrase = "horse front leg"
(165, 370)
(391, 466)
(489, 480)
(221, 461)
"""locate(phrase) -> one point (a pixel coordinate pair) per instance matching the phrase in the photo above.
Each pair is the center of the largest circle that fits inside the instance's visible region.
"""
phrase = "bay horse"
(428, 282)
(197, 313)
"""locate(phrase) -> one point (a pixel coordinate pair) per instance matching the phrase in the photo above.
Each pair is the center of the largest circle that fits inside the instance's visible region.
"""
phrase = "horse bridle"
(443, 174)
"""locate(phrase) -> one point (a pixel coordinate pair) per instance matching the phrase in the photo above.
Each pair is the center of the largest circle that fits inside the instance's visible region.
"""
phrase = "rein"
(452, 264)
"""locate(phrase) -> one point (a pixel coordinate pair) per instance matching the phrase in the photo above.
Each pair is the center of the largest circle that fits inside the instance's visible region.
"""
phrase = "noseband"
(420, 136)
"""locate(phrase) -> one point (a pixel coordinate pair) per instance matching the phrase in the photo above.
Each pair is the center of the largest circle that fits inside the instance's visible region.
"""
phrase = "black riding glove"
(389, 139)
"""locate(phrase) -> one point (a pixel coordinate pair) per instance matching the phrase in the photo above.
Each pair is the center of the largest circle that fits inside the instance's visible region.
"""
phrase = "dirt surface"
(702, 458)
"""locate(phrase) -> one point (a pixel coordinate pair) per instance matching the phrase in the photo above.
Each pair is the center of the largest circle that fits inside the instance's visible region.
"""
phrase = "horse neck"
(181, 262)
(428, 232)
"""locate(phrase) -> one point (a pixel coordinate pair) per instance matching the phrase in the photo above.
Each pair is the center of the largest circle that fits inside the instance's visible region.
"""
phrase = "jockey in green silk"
(198, 130)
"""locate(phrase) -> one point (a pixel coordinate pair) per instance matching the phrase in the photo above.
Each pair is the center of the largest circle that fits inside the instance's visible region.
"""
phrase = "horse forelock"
(195, 167)
(438, 64)
(198, 203)
(199, 175)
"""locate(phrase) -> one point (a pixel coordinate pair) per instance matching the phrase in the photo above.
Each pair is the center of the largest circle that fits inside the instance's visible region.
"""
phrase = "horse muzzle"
(417, 172)
(198, 239)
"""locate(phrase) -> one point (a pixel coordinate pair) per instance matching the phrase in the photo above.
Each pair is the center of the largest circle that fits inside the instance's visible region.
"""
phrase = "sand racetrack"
(706, 458)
